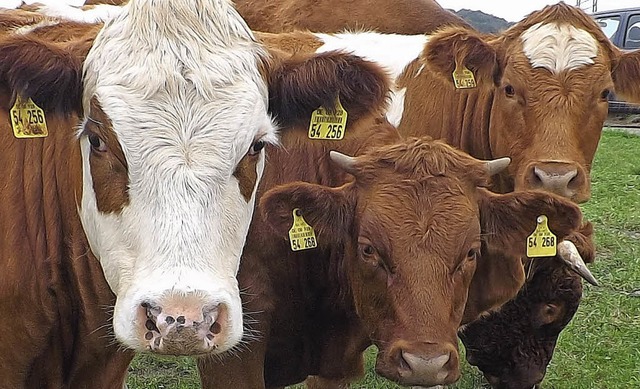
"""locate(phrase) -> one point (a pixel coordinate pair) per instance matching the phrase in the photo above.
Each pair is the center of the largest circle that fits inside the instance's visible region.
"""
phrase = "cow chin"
(180, 314)
(419, 363)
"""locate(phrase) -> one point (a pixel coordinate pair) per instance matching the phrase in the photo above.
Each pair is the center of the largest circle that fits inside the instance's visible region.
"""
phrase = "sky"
(514, 10)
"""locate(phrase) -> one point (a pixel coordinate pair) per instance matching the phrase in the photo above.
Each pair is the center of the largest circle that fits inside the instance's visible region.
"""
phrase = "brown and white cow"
(149, 198)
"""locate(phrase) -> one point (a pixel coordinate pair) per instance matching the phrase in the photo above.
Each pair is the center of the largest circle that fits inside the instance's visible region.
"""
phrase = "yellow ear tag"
(463, 78)
(327, 125)
(27, 119)
(542, 243)
(301, 234)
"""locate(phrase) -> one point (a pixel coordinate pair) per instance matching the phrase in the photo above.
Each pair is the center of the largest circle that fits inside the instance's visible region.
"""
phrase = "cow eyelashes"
(97, 144)
(256, 147)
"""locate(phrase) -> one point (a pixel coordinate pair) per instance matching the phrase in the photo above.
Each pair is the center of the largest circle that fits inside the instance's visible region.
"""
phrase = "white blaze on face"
(186, 100)
(558, 47)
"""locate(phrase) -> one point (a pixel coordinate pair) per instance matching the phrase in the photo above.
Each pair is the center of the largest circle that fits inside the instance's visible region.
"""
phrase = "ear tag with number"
(542, 243)
(27, 119)
(301, 234)
(463, 78)
(328, 125)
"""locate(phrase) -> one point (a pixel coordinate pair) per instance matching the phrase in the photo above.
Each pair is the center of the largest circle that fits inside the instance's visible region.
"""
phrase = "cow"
(512, 347)
(124, 218)
(332, 16)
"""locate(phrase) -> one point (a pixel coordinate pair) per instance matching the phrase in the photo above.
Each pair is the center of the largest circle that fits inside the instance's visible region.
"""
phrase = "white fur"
(558, 47)
(24, 30)
(180, 84)
(396, 107)
(392, 52)
(99, 13)
(12, 4)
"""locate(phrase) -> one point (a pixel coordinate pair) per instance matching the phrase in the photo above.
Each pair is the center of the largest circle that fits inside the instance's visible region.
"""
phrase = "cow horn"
(346, 162)
(569, 254)
(497, 165)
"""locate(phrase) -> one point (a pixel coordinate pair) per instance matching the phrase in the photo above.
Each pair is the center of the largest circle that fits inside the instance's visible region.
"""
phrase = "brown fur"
(398, 16)
(247, 175)
(108, 168)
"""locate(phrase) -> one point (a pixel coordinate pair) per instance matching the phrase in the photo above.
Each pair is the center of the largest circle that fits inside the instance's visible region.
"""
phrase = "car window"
(609, 25)
(632, 37)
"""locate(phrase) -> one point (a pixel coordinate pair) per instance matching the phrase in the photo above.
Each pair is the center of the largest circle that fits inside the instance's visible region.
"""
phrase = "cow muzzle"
(420, 364)
(182, 325)
(566, 179)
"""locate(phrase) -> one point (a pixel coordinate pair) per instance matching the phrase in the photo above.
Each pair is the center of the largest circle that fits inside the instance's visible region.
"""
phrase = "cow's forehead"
(558, 46)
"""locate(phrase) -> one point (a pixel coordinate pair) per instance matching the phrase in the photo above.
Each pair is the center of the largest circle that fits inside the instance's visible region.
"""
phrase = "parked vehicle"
(622, 27)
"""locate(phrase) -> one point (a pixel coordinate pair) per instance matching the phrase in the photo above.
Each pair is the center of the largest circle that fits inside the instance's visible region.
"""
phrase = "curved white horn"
(497, 165)
(346, 162)
(569, 254)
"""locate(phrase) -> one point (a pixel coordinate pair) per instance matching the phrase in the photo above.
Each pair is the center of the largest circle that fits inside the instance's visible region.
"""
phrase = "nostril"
(150, 325)
(169, 320)
(180, 320)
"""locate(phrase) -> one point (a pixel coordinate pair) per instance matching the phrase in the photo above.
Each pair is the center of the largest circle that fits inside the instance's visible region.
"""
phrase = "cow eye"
(473, 254)
(97, 144)
(509, 91)
(605, 94)
(256, 147)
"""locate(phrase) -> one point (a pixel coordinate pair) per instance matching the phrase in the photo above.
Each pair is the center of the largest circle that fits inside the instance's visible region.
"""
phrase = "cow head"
(513, 346)
(550, 76)
(406, 233)
(173, 103)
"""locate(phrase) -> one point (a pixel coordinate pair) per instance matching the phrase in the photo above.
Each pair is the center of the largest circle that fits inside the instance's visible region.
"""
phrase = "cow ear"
(327, 210)
(301, 84)
(626, 75)
(508, 219)
(458, 47)
(48, 73)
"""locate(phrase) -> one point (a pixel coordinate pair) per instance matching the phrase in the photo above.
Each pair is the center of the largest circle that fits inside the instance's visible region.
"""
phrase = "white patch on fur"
(13, 4)
(180, 83)
(396, 107)
(96, 14)
(391, 51)
(558, 47)
(24, 30)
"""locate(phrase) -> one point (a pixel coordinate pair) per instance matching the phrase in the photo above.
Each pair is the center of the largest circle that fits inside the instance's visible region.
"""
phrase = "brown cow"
(386, 16)
(53, 289)
(513, 346)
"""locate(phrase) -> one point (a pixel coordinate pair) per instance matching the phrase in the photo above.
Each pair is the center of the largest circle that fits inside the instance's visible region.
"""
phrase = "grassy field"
(600, 349)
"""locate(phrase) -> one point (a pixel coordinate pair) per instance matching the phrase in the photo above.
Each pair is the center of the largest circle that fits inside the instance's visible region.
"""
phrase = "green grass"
(600, 349)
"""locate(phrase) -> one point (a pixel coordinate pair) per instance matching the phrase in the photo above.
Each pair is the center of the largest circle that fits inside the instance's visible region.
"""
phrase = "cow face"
(550, 76)
(174, 107)
(514, 345)
(408, 231)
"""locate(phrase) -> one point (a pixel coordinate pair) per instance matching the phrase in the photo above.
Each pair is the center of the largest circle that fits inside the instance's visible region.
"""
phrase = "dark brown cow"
(53, 289)
(513, 346)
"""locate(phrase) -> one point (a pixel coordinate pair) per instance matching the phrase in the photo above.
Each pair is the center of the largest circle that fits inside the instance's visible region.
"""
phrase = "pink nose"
(182, 325)
(425, 364)
(566, 179)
